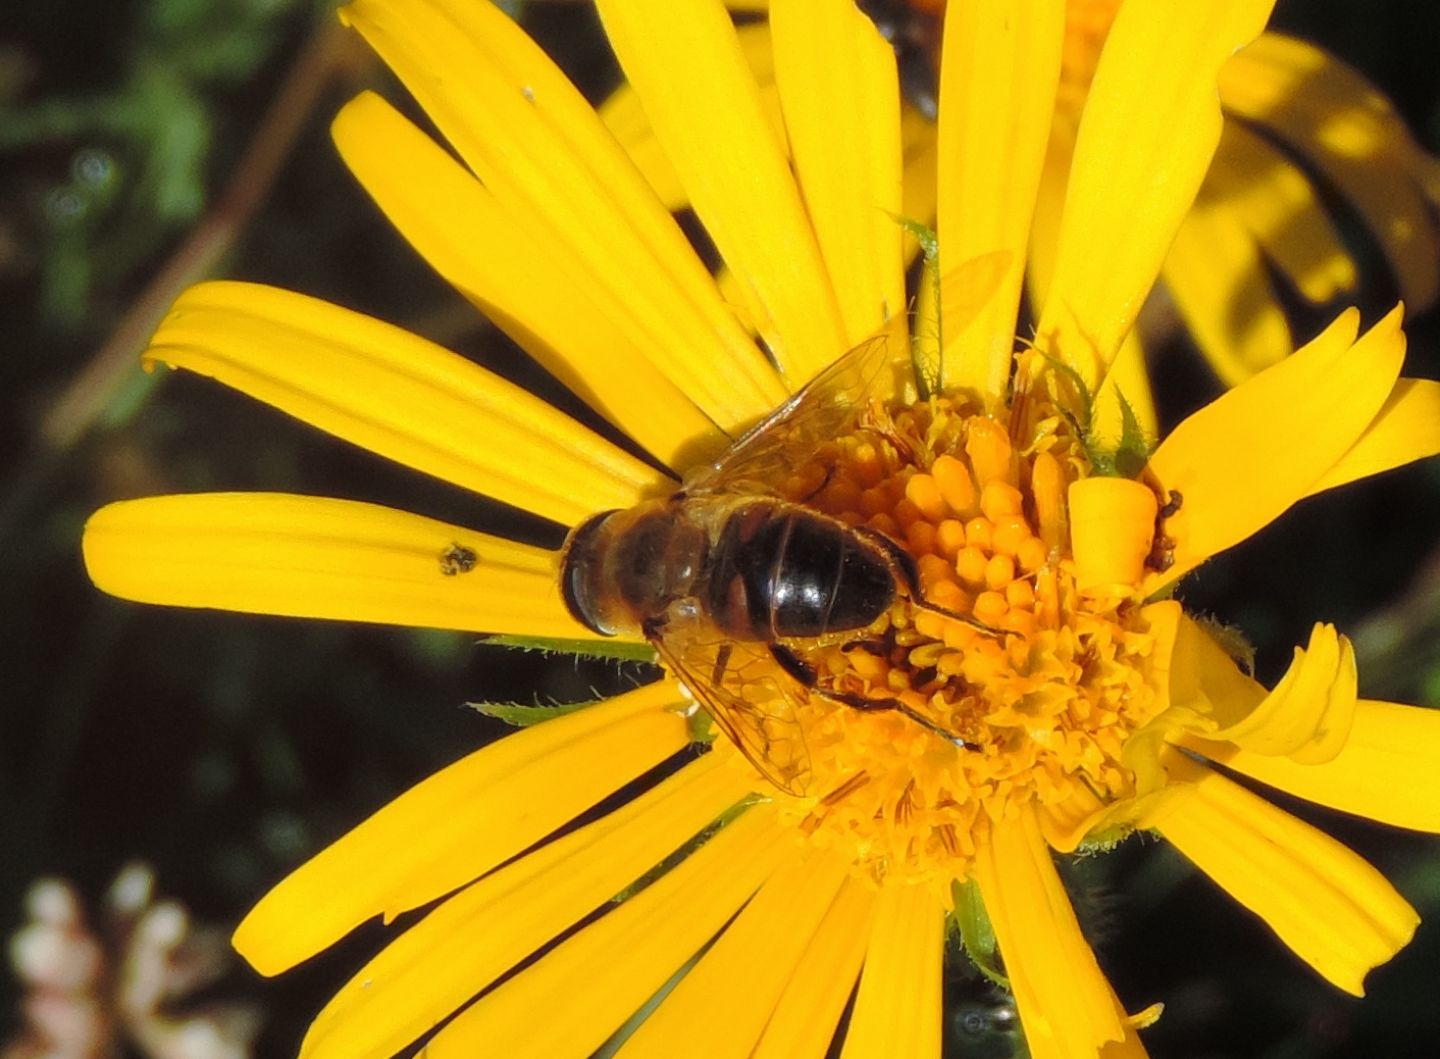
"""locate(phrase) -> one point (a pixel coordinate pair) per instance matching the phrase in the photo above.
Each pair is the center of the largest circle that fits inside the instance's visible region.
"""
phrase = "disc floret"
(1029, 685)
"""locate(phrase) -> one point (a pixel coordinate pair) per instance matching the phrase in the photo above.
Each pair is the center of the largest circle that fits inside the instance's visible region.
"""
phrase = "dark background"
(224, 749)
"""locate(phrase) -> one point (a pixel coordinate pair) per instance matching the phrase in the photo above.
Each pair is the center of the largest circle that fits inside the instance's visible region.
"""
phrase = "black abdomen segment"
(781, 572)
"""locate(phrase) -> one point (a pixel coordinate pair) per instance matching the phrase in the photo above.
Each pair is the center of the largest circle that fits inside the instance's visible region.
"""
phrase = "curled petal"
(1333, 909)
(1385, 771)
(1243, 459)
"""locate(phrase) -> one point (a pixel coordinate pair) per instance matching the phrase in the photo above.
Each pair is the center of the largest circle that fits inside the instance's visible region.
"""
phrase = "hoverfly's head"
(583, 581)
(621, 570)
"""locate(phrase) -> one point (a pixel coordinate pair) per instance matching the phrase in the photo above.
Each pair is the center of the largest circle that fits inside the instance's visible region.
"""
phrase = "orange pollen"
(1002, 684)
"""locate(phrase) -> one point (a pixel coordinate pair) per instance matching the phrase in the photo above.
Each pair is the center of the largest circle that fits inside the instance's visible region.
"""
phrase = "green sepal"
(620, 650)
(929, 369)
(977, 935)
(1129, 457)
(523, 716)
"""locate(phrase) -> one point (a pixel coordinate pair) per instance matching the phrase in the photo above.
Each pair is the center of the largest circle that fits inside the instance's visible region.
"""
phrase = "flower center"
(1019, 688)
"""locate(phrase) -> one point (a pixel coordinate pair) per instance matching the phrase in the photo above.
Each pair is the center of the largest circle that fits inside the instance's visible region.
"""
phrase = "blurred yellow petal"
(1333, 909)
(1385, 771)
(1308, 715)
(1129, 380)
(721, 1005)
(624, 115)
(1243, 459)
(1146, 138)
(605, 972)
(921, 160)
(1407, 429)
(462, 822)
(686, 65)
(1221, 287)
(1334, 119)
(808, 1011)
(475, 243)
(999, 67)
(539, 147)
(1064, 1000)
(1277, 203)
(898, 1007)
(430, 971)
(402, 397)
(313, 557)
(841, 98)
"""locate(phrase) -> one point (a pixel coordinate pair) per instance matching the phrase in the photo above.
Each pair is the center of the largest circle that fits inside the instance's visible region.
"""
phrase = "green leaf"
(621, 650)
(925, 350)
(522, 716)
(976, 933)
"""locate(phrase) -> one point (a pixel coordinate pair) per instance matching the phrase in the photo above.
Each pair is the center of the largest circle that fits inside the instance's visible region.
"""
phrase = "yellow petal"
(397, 395)
(1128, 380)
(1221, 286)
(1112, 529)
(1307, 716)
(462, 822)
(1278, 205)
(312, 557)
(1334, 119)
(1064, 1000)
(721, 1005)
(536, 143)
(1406, 429)
(690, 73)
(606, 971)
(999, 66)
(1385, 770)
(898, 1007)
(1333, 909)
(1146, 138)
(840, 95)
(807, 1012)
(431, 970)
(475, 243)
(1243, 459)
(624, 114)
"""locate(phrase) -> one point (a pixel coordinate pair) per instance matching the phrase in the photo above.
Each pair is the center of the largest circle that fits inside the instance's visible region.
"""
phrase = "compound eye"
(581, 566)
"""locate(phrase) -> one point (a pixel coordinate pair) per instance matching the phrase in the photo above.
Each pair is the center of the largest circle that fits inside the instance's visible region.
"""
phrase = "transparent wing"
(828, 407)
(743, 690)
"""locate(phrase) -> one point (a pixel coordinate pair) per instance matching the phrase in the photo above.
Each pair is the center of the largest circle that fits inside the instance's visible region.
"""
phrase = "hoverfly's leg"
(801, 671)
(860, 702)
(804, 673)
(909, 572)
(722, 663)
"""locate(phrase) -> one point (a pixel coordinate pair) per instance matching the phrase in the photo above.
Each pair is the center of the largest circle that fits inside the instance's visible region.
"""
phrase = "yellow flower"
(1258, 215)
(1035, 690)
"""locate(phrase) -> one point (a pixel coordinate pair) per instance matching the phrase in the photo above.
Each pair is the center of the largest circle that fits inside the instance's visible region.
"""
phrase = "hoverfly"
(729, 579)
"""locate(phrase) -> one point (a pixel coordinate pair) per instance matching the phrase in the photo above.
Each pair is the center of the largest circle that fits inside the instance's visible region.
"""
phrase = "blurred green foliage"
(225, 748)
